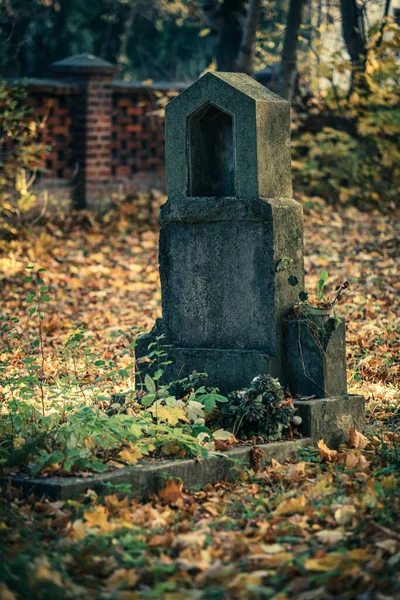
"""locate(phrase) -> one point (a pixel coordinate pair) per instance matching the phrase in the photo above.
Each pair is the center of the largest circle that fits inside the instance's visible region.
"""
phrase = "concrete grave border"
(147, 478)
(323, 418)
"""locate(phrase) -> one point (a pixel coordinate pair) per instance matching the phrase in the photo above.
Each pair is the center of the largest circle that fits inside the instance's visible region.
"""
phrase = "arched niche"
(211, 154)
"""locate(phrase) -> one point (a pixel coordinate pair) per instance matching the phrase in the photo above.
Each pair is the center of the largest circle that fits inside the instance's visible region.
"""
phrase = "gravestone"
(229, 231)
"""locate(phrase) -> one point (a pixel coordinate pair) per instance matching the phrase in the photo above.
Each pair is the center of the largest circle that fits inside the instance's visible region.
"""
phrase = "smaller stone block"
(316, 358)
(330, 419)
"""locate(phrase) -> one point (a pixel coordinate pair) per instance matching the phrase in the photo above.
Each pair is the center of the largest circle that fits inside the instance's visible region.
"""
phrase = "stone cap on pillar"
(227, 136)
(84, 64)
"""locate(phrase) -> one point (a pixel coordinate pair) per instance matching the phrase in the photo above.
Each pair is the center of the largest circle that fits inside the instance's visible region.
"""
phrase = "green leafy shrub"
(260, 409)
(21, 155)
(346, 145)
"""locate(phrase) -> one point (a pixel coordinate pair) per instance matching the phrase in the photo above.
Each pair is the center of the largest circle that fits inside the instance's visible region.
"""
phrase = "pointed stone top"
(235, 83)
(247, 85)
(84, 63)
(227, 136)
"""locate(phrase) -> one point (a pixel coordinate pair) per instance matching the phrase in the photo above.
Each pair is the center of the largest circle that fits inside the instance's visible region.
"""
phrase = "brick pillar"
(91, 126)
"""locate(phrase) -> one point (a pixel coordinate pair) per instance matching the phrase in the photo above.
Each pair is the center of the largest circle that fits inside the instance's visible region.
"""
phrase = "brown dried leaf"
(357, 439)
(326, 454)
(172, 491)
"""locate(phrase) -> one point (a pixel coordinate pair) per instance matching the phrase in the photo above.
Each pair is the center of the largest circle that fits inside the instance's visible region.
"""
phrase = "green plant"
(321, 300)
(64, 423)
(21, 154)
(310, 301)
(345, 146)
(260, 409)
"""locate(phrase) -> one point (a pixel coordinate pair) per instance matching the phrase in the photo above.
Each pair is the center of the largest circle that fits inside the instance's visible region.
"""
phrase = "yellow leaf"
(112, 501)
(359, 554)
(292, 506)
(78, 530)
(130, 455)
(327, 563)
(345, 514)
(98, 518)
(127, 577)
(43, 572)
(325, 453)
(204, 32)
(147, 82)
(390, 482)
(184, 540)
(169, 414)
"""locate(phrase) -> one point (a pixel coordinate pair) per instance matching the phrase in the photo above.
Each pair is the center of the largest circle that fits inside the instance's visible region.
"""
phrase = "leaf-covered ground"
(326, 526)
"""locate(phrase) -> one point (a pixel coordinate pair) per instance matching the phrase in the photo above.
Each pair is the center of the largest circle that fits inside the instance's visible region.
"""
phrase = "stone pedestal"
(330, 419)
(316, 358)
(226, 230)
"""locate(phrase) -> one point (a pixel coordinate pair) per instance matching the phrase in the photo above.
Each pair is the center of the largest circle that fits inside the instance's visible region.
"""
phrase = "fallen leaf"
(330, 536)
(78, 530)
(292, 506)
(273, 548)
(345, 514)
(388, 545)
(327, 563)
(296, 471)
(184, 540)
(172, 491)
(6, 594)
(353, 460)
(130, 455)
(98, 518)
(129, 577)
(221, 444)
(41, 571)
(326, 454)
(390, 482)
(357, 439)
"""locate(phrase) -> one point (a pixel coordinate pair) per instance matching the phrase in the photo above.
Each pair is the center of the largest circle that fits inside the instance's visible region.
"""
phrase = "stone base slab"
(330, 419)
(147, 478)
(226, 369)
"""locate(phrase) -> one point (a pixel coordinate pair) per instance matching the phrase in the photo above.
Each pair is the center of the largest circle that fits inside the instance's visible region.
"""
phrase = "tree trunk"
(288, 69)
(353, 34)
(227, 21)
(122, 55)
(245, 59)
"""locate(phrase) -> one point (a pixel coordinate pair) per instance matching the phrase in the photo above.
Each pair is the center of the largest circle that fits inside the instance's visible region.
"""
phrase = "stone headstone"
(230, 231)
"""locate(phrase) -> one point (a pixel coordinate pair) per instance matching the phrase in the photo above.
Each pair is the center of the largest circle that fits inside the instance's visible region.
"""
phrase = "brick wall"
(106, 135)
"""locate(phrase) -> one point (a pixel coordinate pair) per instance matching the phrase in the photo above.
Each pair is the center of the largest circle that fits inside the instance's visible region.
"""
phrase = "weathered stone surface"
(228, 223)
(316, 358)
(147, 478)
(220, 284)
(227, 369)
(260, 136)
(330, 419)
